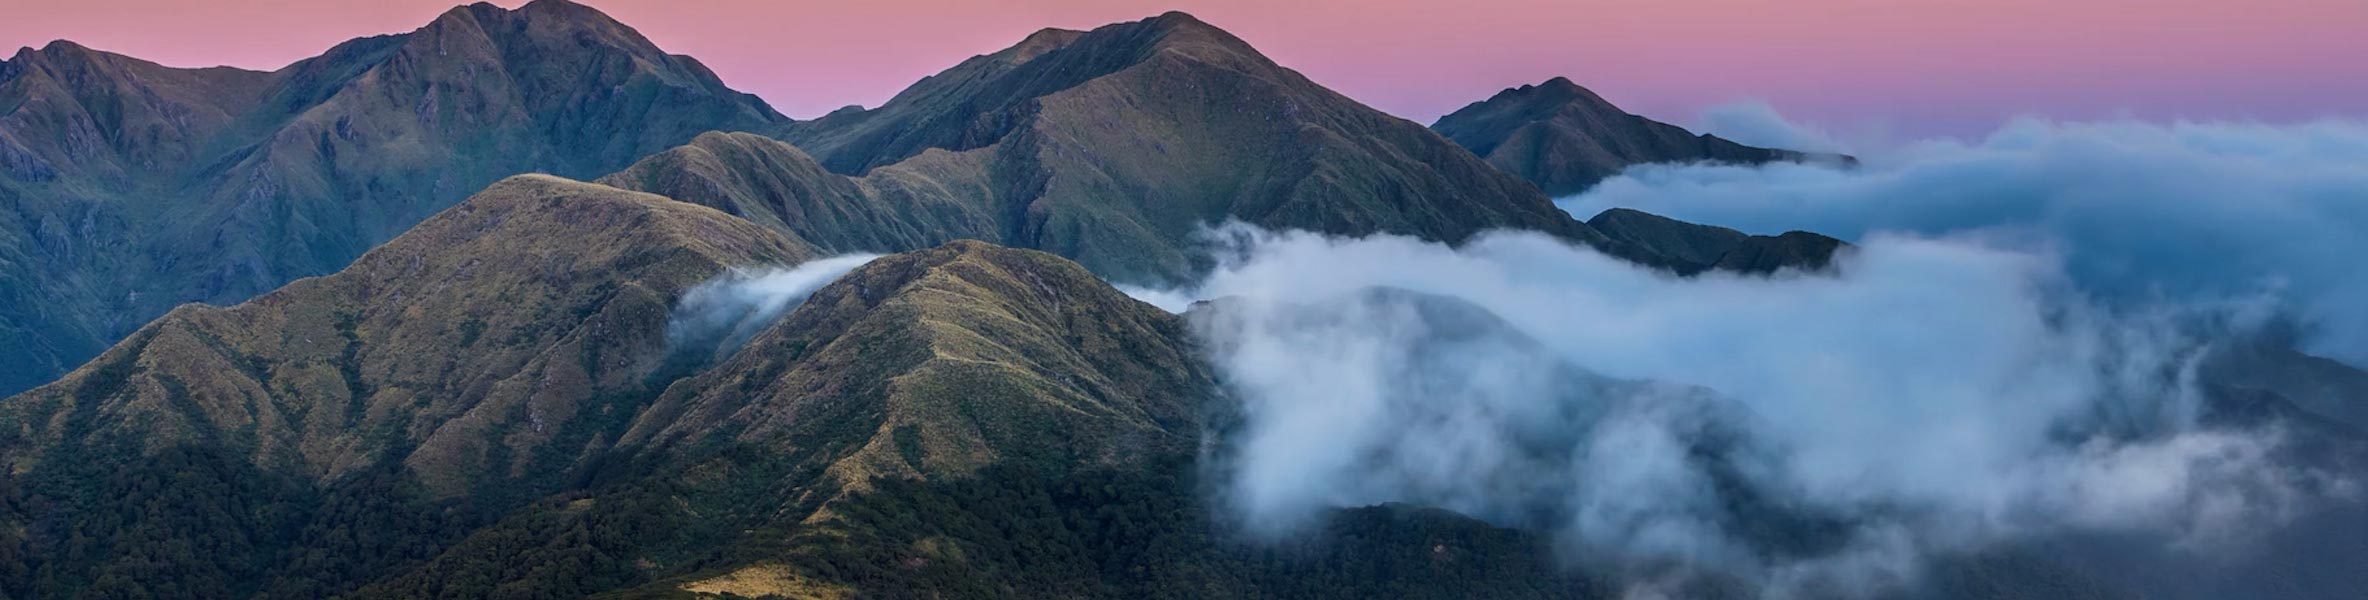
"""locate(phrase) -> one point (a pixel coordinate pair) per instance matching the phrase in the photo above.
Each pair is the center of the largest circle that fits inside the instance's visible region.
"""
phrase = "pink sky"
(1908, 66)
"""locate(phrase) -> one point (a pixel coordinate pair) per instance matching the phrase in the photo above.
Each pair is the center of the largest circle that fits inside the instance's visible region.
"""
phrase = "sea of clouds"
(1933, 395)
(2138, 212)
(2010, 350)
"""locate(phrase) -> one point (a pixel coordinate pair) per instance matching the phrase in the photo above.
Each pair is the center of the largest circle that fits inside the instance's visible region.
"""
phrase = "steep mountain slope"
(1113, 146)
(962, 328)
(1565, 138)
(349, 423)
(1691, 248)
(489, 406)
(133, 187)
(79, 126)
(967, 420)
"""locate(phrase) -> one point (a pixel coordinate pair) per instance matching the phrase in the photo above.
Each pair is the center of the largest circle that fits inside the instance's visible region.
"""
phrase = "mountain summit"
(1114, 146)
(138, 187)
(1565, 138)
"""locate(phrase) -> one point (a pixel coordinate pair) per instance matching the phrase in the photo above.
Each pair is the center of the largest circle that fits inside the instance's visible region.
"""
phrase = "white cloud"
(1937, 394)
(1758, 124)
(2189, 212)
(722, 313)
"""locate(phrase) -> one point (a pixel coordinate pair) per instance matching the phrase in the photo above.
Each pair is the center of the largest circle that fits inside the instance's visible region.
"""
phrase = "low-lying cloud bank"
(718, 315)
(1812, 434)
(2185, 212)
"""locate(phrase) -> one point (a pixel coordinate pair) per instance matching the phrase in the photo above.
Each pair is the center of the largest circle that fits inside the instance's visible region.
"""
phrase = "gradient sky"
(1902, 67)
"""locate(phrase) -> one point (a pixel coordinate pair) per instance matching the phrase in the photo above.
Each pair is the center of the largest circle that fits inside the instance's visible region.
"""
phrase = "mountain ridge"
(140, 187)
(1114, 146)
(1565, 138)
(473, 364)
(1691, 248)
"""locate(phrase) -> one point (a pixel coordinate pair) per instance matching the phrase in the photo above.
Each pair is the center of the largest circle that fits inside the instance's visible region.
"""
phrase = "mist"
(715, 317)
(1814, 434)
(2139, 212)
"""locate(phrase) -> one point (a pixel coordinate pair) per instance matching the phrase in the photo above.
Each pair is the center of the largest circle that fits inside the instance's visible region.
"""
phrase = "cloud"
(1937, 395)
(718, 315)
(2190, 212)
(1757, 124)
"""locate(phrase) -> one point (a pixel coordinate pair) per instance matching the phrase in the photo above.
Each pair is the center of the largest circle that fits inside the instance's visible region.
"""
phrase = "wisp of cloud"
(718, 315)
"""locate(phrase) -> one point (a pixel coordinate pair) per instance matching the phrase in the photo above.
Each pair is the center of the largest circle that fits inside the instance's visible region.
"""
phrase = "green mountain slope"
(298, 442)
(488, 406)
(1565, 138)
(967, 420)
(133, 188)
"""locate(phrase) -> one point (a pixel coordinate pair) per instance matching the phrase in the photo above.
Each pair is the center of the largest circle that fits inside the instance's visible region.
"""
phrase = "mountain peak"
(466, 13)
(1036, 44)
(1177, 18)
(1564, 138)
(55, 51)
(1158, 111)
(62, 46)
(291, 173)
(494, 19)
(564, 9)
(556, 6)
(1552, 96)
(1177, 27)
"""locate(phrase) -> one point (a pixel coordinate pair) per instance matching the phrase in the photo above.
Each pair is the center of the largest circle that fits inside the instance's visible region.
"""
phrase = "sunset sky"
(1913, 67)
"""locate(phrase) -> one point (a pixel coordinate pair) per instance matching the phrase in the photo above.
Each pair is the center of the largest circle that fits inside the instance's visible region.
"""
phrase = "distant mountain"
(1112, 146)
(1565, 138)
(1690, 248)
(2271, 366)
(134, 187)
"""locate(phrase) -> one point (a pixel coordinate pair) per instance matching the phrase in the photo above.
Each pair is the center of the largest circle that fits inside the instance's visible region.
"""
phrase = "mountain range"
(137, 187)
(454, 413)
(134, 188)
(405, 320)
